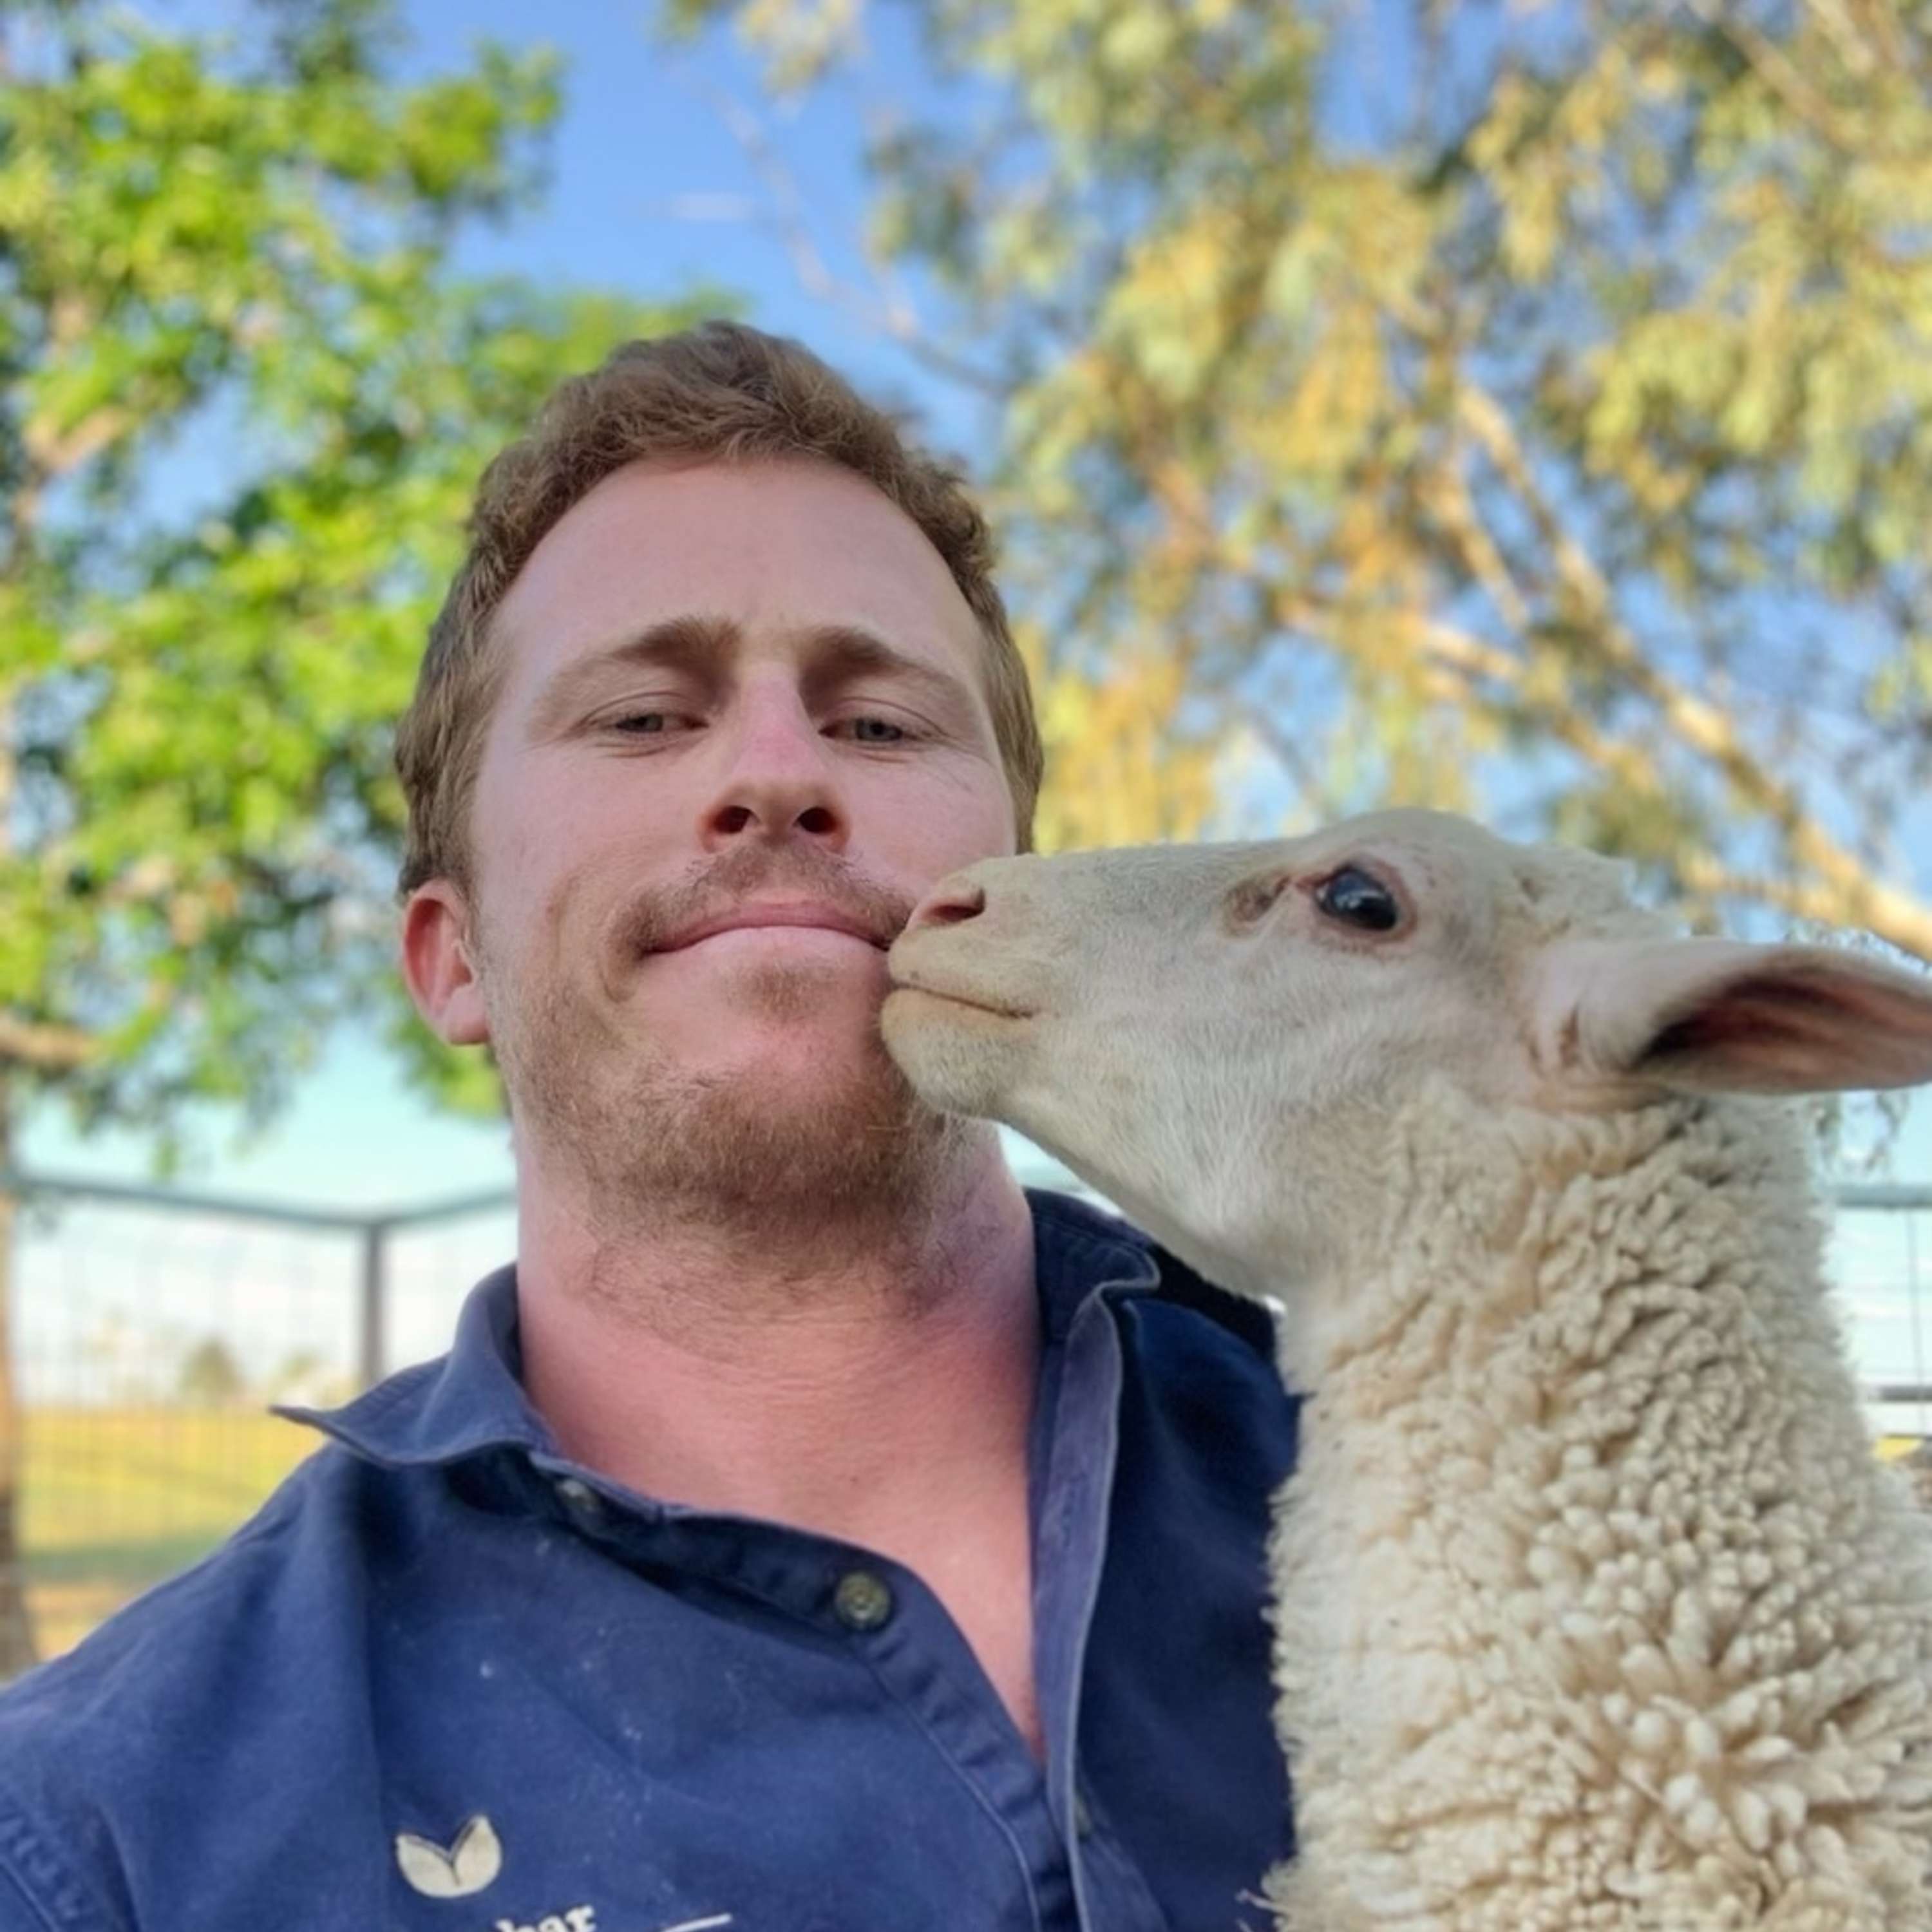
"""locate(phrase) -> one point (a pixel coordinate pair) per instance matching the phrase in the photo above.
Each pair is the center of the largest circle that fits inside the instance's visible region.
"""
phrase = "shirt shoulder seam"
(58, 1896)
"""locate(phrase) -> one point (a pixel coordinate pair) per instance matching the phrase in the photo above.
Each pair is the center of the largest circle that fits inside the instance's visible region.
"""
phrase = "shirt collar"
(459, 1406)
(471, 1400)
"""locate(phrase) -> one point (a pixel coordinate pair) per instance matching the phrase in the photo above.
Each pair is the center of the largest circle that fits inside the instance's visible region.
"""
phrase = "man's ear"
(1712, 1015)
(439, 966)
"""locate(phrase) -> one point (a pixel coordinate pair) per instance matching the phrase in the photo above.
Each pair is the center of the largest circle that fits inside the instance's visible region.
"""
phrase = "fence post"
(375, 1297)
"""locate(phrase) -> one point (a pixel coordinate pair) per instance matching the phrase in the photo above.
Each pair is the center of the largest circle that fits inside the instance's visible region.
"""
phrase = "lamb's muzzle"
(1593, 1609)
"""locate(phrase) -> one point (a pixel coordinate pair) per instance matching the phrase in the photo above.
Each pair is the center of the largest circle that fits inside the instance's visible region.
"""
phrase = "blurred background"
(1523, 409)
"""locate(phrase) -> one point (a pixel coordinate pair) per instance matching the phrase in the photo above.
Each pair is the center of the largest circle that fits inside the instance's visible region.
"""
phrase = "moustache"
(658, 917)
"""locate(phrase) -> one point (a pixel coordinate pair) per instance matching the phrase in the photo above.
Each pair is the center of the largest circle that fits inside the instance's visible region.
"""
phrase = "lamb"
(1593, 1610)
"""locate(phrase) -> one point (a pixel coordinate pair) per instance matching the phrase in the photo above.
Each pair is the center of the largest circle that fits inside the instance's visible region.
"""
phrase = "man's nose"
(781, 782)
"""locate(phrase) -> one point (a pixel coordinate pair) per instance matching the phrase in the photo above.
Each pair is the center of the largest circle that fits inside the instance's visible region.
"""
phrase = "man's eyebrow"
(700, 647)
(837, 654)
(696, 647)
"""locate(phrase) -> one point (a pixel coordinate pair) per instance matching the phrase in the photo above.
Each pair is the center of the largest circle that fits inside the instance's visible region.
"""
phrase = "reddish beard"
(653, 1145)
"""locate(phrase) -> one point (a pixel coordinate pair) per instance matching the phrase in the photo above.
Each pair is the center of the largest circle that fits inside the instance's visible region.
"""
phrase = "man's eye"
(644, 723)
(877, 731)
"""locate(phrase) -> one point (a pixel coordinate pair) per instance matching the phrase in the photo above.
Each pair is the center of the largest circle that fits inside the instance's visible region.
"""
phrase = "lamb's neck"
(1520, 1245)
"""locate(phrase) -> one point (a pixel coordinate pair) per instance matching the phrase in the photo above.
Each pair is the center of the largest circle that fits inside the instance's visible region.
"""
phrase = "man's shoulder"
(141, 1720)
(305, 1537)
(371, 1498)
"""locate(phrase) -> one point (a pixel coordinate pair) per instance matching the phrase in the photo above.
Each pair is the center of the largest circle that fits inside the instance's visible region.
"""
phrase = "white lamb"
(1593, 1609)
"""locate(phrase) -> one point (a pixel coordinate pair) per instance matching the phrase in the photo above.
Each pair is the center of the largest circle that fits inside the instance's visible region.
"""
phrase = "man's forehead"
(783, 544)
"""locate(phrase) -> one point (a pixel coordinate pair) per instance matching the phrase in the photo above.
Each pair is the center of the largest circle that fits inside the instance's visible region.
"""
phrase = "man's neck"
(860, 1381)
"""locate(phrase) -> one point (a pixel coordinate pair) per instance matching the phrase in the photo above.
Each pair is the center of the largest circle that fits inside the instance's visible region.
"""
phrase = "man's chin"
(794, 1127)
(781, 1107)
(804, 1066)
(799, 1151)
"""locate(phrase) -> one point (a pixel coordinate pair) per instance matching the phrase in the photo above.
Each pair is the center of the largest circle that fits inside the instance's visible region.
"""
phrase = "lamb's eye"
(1358, 898)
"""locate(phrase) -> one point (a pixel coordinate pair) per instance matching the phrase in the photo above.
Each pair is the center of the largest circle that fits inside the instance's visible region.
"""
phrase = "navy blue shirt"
(448, 1681)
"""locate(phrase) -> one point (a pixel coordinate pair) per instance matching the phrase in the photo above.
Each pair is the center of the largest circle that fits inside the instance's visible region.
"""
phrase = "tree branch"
(1768, 62)
(47, 1048)
(56, 456)
(1846, 894)
(1702, 727)
(1289, 755)
(887, 313)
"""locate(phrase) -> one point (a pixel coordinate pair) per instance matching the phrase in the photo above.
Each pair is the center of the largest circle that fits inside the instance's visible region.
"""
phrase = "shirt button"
(862, 1601)
(583, 1502)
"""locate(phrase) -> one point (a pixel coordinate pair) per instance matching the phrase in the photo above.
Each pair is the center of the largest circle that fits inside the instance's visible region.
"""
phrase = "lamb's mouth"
(992, 1009)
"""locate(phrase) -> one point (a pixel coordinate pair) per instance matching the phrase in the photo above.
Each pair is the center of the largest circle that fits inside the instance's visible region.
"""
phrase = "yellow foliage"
(799, 42)
(1377, 235)
(1170, 310)
(1544, 157)
(1117, 773)
(1341, 395)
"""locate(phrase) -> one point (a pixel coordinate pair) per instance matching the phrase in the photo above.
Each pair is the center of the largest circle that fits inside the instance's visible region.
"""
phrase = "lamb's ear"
(1710, 1015)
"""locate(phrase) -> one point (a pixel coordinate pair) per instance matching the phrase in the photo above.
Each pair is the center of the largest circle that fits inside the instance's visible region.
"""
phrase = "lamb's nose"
(951, 902)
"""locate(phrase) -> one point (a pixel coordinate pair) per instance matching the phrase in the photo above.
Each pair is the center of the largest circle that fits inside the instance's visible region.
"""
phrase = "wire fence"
(152, 1329)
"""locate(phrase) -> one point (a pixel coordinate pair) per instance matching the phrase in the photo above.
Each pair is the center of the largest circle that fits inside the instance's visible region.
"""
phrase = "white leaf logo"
(470, 1864)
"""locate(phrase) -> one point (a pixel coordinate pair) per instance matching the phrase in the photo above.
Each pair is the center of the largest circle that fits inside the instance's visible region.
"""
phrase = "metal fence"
(1880, 1265)
(152, 1328)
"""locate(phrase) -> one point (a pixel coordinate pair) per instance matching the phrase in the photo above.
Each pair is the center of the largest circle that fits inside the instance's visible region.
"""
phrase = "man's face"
(742, 728)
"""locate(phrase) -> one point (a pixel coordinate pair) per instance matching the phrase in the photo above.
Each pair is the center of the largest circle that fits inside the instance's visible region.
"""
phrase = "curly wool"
(1595, 1612)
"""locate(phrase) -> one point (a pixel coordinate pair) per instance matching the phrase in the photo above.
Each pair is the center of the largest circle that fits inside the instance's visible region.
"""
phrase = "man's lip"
(740, 918)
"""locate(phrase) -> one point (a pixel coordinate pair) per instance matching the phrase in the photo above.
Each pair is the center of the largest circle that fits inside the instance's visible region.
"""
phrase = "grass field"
(116, 1499)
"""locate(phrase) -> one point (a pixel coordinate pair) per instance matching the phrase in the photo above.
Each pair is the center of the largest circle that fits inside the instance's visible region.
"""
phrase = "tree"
(1527, 407)
(246, 398)
(209, 1376)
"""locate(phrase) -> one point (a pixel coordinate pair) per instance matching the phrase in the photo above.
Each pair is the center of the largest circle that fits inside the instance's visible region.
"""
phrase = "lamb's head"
(1216, 1036)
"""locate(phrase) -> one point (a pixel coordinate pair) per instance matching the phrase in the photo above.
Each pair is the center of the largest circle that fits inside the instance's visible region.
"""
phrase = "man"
(809, 1530)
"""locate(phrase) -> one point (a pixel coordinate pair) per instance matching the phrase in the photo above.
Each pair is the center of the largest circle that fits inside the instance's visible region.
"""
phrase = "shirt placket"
(1110, 1894)
(891, 1622)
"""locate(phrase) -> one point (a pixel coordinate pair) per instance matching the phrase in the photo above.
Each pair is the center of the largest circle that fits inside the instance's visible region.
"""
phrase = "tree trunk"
(16, 1630)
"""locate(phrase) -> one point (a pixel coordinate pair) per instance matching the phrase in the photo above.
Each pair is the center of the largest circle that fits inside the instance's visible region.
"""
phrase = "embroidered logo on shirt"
(583, 1918)
(470, 1864)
